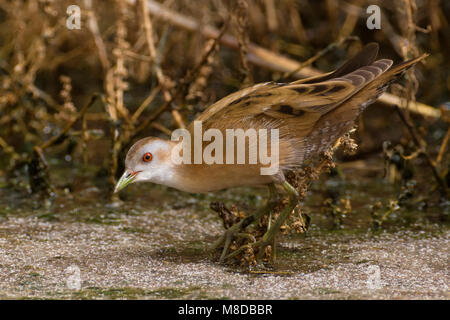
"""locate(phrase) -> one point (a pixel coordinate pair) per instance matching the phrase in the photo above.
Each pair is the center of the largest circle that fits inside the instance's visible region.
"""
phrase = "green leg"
(269, 236)
(273, 256)
(234, 230)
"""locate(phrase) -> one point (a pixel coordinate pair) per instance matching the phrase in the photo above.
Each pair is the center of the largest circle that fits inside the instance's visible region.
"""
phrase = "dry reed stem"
(333, 17)
(271, 15)
(319, 54)
(240, 19)
(63, 134)
(297, 24)
(351, 19)
(161, 128)
(115, 85)
(93, 27)
(9, 149)
(152, 95)
(178, 119)
(148, 27)
(267, 59)
(191, 74)
(443, 147)
(421, 145)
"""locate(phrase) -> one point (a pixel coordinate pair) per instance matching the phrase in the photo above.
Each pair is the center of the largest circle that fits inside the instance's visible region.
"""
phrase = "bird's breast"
(206, 178)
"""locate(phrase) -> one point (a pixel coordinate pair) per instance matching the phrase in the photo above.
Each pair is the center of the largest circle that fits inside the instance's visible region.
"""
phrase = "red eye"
(147, 157)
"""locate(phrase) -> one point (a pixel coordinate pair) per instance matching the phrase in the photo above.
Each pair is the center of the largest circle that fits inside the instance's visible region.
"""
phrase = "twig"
(443, 147)
(84, 139)
(318, 55)
(63, 134)
(419, 142)
(192, 73)
(8, 149)
(178, 119)
(45, 97)
(240, 18)
(161, 128)
(145, 103)
(445, 110)
(137, 56)
(351, 19)
(93, 27)
(150, 119)
(148, 27)
(392, 100)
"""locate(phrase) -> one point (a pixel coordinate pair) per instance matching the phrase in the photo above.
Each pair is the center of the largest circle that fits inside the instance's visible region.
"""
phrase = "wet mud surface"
(154, 245)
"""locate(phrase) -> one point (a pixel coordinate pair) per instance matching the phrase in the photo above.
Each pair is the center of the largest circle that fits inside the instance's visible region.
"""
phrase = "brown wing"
(304, 100)
(230, 99)
(275, 102)
(310, 115)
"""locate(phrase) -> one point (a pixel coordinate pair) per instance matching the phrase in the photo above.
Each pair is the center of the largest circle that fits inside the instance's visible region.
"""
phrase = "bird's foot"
(232, 233)
(273, 228)
(235, 232)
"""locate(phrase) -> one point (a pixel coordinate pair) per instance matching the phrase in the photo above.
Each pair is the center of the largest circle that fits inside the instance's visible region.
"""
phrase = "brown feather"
(312, 114)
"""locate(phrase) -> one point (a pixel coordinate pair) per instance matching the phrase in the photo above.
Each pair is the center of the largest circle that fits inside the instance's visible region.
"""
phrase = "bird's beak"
(127, 178)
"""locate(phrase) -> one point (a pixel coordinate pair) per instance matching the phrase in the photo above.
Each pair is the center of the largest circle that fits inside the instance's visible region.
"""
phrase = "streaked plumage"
(311, 114)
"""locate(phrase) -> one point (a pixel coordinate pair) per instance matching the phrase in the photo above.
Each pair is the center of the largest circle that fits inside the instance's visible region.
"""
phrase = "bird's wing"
(308, 98)
(311, 114)
(279, 102)
(231, 99)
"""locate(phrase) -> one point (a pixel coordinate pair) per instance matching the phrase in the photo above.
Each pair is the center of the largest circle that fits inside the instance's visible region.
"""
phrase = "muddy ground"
(154, 245)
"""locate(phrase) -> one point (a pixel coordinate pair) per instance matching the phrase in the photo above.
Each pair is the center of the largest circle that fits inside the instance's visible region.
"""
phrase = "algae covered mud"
(74, 99)
(155, 243)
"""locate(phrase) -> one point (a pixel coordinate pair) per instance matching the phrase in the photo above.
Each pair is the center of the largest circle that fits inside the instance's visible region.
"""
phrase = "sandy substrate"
(144, 257)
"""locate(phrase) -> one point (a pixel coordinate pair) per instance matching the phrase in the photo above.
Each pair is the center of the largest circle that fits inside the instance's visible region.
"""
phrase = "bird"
(310, 115)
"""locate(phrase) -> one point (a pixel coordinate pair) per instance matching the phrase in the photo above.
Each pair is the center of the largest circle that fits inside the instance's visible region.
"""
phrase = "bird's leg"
(234, 230)
(269, 236)
(272, 244)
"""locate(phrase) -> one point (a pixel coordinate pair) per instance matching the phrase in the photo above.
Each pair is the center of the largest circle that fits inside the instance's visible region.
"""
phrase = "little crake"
(310, 115)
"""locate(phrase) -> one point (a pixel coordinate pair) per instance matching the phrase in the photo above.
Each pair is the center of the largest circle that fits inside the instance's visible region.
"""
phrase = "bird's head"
(147, 160)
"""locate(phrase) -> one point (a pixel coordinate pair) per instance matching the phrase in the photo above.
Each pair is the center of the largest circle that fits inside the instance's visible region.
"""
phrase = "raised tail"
(334, 124)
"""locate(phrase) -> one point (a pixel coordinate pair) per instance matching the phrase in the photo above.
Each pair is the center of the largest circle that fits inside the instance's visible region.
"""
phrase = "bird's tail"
(344, 115)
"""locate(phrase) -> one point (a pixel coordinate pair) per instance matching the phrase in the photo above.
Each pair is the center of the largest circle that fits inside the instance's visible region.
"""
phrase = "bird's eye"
(147, 157)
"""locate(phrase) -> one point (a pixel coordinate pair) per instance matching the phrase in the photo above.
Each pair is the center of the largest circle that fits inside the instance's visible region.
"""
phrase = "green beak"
(127, 178)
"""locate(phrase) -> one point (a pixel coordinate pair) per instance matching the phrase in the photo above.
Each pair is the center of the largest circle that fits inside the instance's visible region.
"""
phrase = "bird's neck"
(202, 177)
(170, 172)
